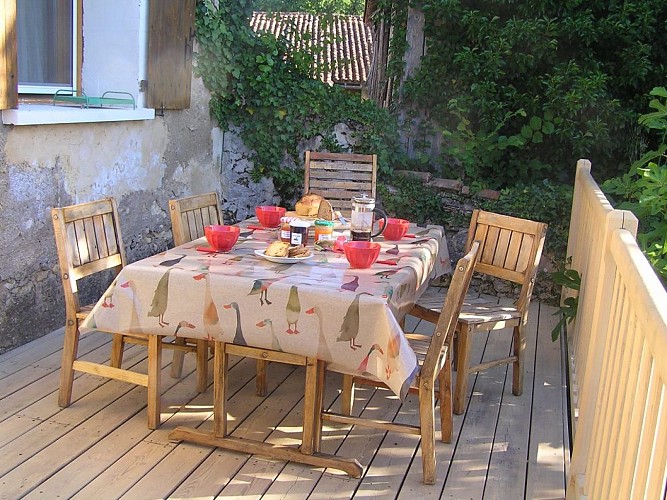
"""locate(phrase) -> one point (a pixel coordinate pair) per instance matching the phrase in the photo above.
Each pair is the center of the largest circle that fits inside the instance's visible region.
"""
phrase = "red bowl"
(222, 238)
(361, 254)
(269, 216)
(395, 229)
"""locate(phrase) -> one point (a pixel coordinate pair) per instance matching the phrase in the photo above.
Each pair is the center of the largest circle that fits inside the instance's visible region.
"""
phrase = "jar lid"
(299, 223)
(322, 222)
(363, 199)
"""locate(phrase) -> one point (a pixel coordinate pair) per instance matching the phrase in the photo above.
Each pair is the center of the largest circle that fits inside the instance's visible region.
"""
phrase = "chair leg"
(177, 359)
(445, 396)
(70, 348)
(519, 345)
(117, 347)
(462, 364)
(154, 369)
(202, 365)
(347, 395)
(260, 378)
(427, 425)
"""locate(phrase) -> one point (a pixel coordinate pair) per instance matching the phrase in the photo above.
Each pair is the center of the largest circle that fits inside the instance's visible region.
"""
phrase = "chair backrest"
(88, 241)
(449, 314)
(510, 249)
(191, 214)
(339, 177)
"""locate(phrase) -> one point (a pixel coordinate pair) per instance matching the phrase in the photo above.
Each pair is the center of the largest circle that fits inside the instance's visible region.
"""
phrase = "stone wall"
(142, 164)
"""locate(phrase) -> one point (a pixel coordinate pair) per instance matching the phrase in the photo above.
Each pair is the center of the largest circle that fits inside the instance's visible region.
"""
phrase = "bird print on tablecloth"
(385, 275)
(275, 343)
(393, 351)
(363, 366)
(245, 234)
(351, 285)
(293, 310)
(183, 324)
(393, 250)
(239, 339)
(135, 323)
(349, 329)
(261, 288)
(171, 262)
(161, 299)
(210, 316)
(323, 351)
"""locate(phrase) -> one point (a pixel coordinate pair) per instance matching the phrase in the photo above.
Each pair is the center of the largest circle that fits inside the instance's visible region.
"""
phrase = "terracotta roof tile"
(348, 53)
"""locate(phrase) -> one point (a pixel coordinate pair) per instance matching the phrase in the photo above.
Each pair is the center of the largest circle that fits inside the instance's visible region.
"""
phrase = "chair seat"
(476, 310)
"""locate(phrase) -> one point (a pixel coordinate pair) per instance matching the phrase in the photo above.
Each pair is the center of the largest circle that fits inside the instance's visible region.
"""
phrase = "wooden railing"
(617, 351)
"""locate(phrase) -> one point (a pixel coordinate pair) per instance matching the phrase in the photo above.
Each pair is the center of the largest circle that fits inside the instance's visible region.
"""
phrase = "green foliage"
(568, 278)
(643, 190)
(350, 7)
(409, 198)
(264, 86)
(523, 89)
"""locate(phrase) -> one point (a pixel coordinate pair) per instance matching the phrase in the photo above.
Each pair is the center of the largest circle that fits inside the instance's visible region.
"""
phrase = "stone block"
(489, 194)
(423, 176)
(447, 184)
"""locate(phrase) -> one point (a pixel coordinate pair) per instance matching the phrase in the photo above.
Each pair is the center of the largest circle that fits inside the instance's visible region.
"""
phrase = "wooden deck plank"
(467, 474)
(32, 352)
(107, 408)
(176, 466)
(100, 447)
(546, 478)
(129, 470)
(506, 476)
(80, 471)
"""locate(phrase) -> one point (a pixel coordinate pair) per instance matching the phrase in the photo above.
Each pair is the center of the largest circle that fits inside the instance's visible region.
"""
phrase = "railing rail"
(617, 351)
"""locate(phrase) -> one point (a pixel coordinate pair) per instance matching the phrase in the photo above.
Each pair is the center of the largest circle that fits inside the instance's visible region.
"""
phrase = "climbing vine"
(265, 87)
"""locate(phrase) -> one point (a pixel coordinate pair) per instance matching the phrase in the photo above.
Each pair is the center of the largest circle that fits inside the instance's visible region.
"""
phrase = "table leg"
(305, 454)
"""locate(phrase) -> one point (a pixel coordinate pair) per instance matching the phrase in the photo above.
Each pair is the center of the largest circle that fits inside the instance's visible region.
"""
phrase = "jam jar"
(299, 232)
(285, 229)
(323, 230)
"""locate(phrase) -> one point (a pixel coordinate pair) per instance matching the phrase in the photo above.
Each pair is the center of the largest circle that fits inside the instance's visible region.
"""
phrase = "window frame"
(77, 38)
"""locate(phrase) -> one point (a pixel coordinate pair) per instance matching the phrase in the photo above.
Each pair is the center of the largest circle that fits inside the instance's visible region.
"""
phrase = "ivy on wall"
(263, 86)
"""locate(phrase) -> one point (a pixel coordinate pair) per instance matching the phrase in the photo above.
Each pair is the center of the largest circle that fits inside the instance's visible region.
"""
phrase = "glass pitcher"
(361, 224)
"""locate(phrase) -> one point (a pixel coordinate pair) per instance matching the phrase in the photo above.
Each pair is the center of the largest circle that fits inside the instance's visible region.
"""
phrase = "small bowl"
(395, 229)
(361, 254)
(222, 238)
(269, 216)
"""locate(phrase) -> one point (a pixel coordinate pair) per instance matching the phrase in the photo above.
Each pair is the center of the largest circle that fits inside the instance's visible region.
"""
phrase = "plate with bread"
(282, 252)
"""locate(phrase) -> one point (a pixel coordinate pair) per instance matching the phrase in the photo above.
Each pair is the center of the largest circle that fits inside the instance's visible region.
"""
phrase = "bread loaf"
(308, 205)
(325, 211)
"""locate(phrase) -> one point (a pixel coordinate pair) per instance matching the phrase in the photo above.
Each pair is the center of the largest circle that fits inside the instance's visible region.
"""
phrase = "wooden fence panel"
(618, 355)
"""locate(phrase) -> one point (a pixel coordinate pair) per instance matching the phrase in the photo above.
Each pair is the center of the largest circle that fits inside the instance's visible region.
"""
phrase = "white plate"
(282, 260)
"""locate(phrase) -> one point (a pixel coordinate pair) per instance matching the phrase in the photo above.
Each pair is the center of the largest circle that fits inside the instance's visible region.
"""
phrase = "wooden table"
(319, 309)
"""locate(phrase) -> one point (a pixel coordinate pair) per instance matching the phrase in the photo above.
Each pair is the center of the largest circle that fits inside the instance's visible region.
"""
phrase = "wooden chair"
(88, 241)
(191, 214)
(339, 177)
(510, 250)
(433, 354)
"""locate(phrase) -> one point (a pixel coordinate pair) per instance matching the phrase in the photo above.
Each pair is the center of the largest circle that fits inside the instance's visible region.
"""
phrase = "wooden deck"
(505, 447)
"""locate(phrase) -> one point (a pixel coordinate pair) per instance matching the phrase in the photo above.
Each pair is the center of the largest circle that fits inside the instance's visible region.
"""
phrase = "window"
(46, 33)
(137, 47)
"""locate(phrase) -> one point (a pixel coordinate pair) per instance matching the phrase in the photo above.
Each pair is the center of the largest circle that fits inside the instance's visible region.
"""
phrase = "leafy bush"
(523, 89)
(643, 190)
(265, 87)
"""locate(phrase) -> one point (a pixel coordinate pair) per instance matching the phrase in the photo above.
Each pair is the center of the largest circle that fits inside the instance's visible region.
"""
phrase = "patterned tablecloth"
(348, 317)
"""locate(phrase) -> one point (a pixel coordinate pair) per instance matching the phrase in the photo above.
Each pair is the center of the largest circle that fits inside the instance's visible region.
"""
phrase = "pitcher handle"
(383, 217)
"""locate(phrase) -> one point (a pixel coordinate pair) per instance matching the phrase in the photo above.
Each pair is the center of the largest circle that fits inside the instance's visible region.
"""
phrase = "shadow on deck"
(504, 446)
